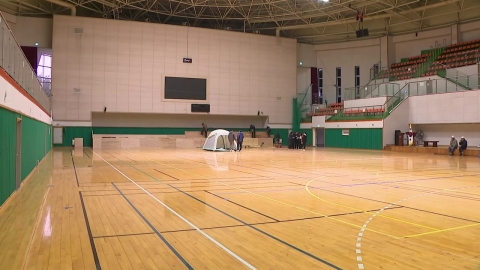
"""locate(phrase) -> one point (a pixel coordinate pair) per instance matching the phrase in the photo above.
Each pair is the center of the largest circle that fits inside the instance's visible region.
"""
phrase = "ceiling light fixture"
(325, 1)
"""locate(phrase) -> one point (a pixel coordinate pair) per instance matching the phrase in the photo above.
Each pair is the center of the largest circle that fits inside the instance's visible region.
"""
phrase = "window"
(320, 86)
(339, 85)
(357, 82)
(44, 73)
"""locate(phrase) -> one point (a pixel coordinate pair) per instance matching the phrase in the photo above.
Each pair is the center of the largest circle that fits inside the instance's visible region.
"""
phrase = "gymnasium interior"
(120, 145)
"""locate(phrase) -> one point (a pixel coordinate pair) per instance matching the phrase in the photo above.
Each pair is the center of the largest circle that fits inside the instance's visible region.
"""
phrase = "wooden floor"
(261, 208)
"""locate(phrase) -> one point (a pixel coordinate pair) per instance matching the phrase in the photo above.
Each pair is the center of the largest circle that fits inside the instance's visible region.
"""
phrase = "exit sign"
(187, 60)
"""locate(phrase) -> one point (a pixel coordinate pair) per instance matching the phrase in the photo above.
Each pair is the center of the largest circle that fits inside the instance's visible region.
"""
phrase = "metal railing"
(14, 62)
(371, 90)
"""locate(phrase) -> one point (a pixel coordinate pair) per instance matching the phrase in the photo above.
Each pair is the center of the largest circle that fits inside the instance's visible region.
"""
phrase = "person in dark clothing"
(239, 141)
(296, 140)
(463, 145)
(304, 140)
(277, 139)
(268, 131)
(290, 140)
(252, 130)
(204, 131)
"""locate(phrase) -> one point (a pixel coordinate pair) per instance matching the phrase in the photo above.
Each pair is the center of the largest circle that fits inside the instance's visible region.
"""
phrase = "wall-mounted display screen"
(185, 88)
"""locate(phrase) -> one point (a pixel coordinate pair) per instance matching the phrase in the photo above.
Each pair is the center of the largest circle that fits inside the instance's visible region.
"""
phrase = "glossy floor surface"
(261, 208)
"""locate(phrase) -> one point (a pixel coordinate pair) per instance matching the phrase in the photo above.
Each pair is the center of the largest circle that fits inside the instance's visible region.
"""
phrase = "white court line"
(182, 218)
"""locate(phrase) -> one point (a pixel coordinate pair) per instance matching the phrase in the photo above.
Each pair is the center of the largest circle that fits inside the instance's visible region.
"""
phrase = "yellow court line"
(357, 209)
(445, 230)
(284, 203)
(440, 189)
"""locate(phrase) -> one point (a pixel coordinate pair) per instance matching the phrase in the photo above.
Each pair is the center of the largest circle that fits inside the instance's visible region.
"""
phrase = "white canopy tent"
(217, 141)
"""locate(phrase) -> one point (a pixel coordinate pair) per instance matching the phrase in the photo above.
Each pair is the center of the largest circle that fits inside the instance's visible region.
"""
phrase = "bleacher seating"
(329, 110)
(405, 70)
(456, 55)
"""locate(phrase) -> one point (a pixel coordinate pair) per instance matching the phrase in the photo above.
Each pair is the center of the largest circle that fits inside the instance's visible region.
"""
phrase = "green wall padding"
(359, 138)
(70, 133)
(7, 153)
(35, 141)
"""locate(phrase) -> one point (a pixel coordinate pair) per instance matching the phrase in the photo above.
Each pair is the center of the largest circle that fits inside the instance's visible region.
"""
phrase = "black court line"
(131, 159)
(281, 221)
(205, 163)
(92, 243)
(75, 170)
(120, 235)
(166, 174)
(260, 231)
(417, 209)
(242, 206)
(154, 229)
(86, 153)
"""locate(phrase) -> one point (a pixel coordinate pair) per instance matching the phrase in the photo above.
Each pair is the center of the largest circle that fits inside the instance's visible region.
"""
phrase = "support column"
(454, 34)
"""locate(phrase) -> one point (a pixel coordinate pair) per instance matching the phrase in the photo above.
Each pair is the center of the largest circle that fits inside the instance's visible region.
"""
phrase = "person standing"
(277, 139)
(463, 145)
(453, 146)
(252, 130)
(268, 131)
(304, 140)
(239, 141)
(204, 131)
(231, 140)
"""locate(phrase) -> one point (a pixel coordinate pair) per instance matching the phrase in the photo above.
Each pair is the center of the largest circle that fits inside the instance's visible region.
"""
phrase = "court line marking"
(154, 178)
(360, 235)
(270, 199)
(257, 212)
(449, 229)
(358, 209)
(90, 235)
(155, 230)
(261, 231)
(180, 216)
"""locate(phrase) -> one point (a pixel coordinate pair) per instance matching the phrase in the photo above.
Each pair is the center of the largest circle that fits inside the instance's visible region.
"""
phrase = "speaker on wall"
(362, 33)
(201, 108)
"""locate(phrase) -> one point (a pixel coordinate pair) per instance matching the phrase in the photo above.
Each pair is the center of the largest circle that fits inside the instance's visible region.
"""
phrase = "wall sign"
(187, 60)
(345, 132)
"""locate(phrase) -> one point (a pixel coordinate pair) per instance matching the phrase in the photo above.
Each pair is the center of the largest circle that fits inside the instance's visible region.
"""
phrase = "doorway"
(58, 135)
(320, 137)
(18, 155)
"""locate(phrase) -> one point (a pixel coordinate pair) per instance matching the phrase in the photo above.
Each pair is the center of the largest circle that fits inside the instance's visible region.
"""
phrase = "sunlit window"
(44, 72)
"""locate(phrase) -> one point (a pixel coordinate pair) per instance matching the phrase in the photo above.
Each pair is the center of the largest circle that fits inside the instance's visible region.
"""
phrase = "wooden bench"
(425, 143)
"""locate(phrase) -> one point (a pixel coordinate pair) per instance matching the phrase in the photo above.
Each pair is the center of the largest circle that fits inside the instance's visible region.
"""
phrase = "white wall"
(304, 79)
(120, 64)
(411, 45)
(469, 31)
(29, 30)
(355, 103)
(443, 133)
(397, 120)
(13, 99)
(319, 121)
(459, 107)
(306, 54)
(347, 55)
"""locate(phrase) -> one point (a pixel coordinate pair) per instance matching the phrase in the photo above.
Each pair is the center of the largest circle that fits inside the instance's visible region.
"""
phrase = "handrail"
(15, 64)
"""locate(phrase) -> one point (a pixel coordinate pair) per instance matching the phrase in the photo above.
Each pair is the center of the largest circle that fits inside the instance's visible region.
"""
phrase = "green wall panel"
(359, 138)
(70, 133)
(35, 141)
(7, 153)
(33, 144)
